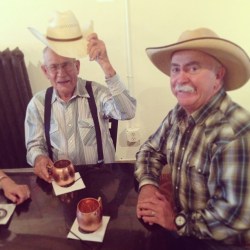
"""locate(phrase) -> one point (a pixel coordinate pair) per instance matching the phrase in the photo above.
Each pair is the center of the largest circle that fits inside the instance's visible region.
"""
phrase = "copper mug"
(63, 172)
(89, 214)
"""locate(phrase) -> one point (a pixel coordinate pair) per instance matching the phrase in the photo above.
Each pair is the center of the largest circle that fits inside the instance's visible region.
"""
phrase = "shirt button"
(176, 187)
(69, 124)
(179, 168)
(183, 149)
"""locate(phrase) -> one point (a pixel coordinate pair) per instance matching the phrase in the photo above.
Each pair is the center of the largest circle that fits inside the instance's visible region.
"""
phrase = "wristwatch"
(180, 220)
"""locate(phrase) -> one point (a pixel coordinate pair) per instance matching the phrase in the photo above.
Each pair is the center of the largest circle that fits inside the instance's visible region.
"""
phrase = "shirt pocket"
(197, 184)
(87, 131)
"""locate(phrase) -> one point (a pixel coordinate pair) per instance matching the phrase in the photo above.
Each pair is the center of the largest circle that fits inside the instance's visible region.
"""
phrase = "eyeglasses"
(66, 66)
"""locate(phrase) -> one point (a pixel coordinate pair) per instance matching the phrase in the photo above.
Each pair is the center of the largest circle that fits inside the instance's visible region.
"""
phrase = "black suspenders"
(47, 114)
(93, 111)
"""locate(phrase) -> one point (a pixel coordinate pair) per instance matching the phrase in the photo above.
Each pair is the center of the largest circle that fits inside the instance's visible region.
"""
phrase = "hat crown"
(63, 25)
(197, 34)
(232, 56)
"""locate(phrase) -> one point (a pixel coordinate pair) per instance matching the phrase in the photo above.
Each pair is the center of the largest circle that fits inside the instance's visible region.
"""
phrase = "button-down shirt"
(72, 131)
(208, 154)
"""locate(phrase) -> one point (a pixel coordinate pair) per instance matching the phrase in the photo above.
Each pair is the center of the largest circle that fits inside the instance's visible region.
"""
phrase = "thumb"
(12, 197)
(159, 195)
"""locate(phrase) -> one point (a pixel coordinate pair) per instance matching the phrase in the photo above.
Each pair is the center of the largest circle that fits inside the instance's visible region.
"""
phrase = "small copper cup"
(89, 214)
(63, 172)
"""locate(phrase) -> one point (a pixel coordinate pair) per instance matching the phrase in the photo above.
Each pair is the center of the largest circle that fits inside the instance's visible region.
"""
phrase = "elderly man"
(204, 141)
(73, 129)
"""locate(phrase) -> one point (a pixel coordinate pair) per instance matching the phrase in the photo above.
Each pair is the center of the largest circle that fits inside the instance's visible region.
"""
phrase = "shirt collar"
(201, 114)
(80, 91)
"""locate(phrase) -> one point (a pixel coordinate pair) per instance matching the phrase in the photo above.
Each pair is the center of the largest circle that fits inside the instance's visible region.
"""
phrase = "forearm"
(148, 166)
(34, 132)
(3, 178)
(120, 105)
(5, 182)
(151, 157)
(34, 152)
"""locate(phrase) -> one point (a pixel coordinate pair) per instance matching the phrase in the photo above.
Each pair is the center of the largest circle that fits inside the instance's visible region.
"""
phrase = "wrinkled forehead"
(49, 56)
(187, 56)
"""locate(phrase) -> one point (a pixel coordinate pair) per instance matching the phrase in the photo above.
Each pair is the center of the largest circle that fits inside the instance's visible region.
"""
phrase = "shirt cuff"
(115, 85)
(32, 157)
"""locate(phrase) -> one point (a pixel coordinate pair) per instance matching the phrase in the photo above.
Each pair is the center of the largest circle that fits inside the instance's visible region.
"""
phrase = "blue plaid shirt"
(208, 154)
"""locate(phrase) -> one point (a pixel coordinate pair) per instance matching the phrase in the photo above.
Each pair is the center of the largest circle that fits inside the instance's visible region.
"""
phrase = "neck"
(65, 96)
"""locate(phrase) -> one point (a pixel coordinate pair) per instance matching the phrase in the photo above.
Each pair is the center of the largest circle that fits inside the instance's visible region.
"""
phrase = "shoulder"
(230, 120)
(38, 98)
(95, 85)
(235, 114)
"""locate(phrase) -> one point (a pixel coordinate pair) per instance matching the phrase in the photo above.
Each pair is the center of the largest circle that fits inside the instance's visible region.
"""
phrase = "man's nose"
(60, 69)
(183, 76)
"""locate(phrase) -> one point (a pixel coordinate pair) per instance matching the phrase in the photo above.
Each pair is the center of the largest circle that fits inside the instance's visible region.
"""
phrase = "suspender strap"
(47, 115)
(93, 110)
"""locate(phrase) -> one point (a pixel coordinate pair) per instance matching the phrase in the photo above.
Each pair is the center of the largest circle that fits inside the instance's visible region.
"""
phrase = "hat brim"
(72, 49)
(232, 57)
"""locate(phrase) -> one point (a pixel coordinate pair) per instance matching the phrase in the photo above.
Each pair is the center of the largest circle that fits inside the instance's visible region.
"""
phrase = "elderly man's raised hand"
(97, 52)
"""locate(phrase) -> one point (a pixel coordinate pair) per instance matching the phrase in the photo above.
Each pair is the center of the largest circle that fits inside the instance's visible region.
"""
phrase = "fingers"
(151, 209)
(92, 36)
(18, 193)
(22, 194)
(160, 196)
(41, 168)
(96, 48)
(43, 173)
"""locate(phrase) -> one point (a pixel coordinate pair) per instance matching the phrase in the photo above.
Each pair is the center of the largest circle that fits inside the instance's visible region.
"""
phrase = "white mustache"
(184, 88)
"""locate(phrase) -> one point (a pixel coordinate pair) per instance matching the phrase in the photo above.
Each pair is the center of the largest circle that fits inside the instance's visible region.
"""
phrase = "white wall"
(151, 23)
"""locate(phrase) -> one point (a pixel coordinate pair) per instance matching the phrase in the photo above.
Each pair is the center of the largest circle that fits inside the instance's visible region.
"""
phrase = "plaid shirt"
(72, 130)
(209, 157)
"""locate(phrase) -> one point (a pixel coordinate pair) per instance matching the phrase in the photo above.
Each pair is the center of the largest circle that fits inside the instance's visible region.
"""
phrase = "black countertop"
(44, 221)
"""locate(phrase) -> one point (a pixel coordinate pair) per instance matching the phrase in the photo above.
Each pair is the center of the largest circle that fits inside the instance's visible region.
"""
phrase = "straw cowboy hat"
(64, 35)
(229, 54)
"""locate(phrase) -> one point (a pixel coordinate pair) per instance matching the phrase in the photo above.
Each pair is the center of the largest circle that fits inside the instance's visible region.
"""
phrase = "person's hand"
(15, 192)
(146, 192)
(154, 208)
(42, 163)
(97, 51)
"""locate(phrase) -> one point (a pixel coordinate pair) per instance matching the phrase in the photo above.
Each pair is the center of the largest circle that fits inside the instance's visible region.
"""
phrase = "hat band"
(64, 40)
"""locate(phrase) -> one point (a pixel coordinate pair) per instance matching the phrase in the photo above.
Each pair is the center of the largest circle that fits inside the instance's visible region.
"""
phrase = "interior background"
(128, 27)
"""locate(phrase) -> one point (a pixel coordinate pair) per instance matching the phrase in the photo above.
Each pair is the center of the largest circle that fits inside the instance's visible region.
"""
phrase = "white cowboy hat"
(229, 54)
(64, 35)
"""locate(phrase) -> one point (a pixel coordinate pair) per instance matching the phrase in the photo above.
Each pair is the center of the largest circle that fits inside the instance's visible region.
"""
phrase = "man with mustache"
(204, 143)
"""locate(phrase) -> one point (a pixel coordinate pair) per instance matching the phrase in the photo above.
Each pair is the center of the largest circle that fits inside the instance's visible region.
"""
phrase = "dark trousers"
(161, 239)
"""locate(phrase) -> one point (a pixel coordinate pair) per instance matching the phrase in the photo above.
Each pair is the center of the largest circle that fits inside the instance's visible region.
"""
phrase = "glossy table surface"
(43, 222)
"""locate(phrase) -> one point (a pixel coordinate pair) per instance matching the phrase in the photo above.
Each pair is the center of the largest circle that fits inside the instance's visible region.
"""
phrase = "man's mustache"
(184, 88)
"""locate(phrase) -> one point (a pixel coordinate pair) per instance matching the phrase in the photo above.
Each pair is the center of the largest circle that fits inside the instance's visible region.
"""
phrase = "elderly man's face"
(195, 78)
(62, 73)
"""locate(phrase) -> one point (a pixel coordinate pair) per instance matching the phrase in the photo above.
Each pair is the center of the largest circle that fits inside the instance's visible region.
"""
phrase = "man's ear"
(219, 75)
(44, 70)
(221, 71)
(77, 63)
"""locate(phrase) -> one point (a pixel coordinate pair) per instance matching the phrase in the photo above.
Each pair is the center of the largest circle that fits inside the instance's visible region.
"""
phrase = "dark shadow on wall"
(15, 93)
